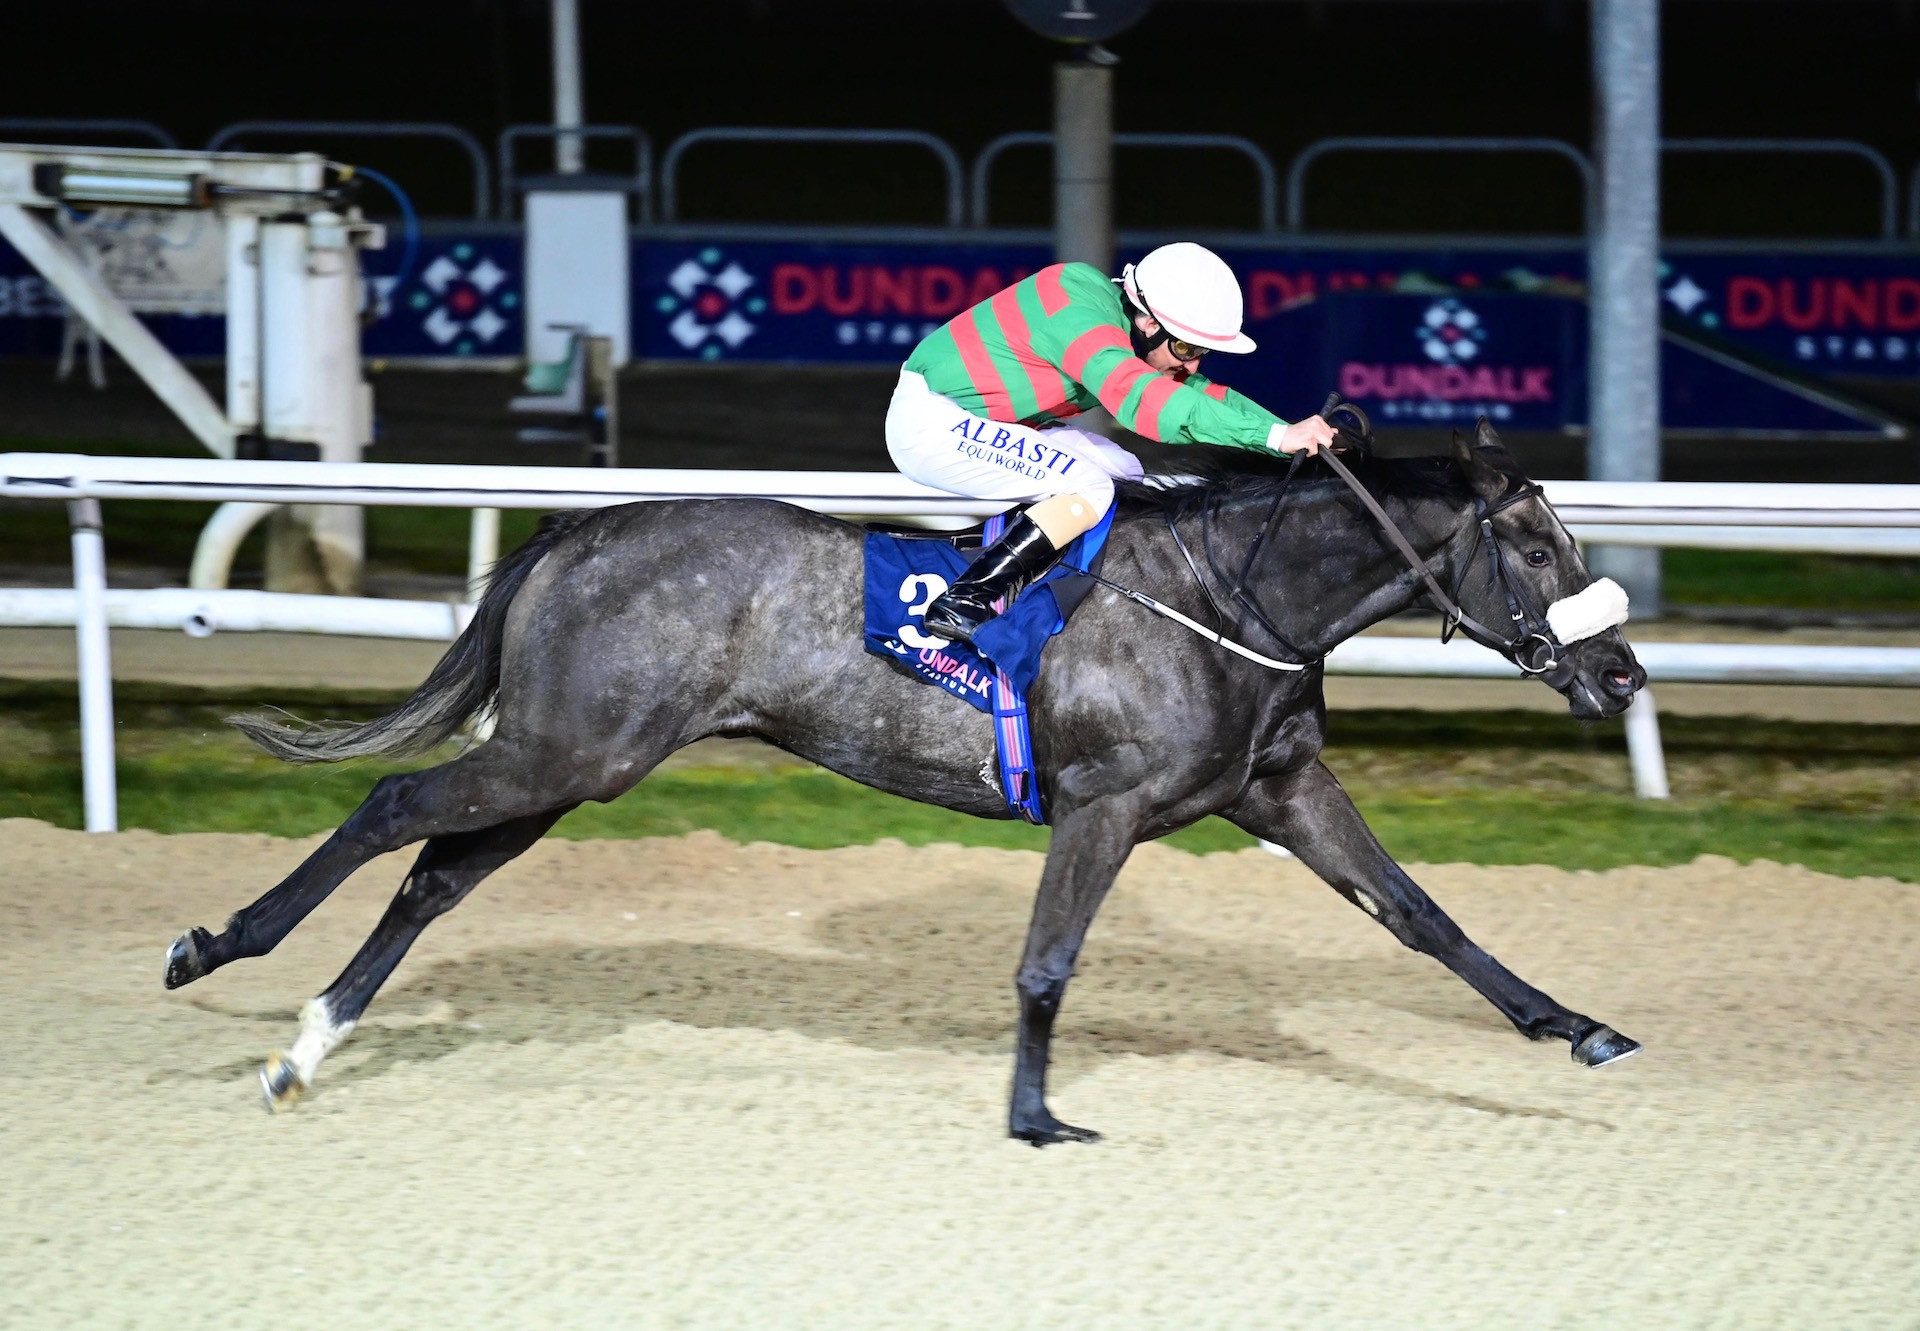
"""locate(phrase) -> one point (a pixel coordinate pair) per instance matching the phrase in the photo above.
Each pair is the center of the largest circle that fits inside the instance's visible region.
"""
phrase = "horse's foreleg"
(448, 869)
(1312, 816)
(1089, 846)
(491, 784)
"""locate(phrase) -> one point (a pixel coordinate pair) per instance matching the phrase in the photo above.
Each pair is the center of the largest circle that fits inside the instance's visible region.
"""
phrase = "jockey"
(981, 402)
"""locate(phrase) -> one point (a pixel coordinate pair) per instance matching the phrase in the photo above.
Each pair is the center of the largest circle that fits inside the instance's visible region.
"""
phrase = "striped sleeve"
(1176, 413)
(1219, 398)
(1086, 336)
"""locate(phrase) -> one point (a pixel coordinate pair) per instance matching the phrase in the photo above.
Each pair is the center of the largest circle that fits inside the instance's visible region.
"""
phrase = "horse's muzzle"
(1598, 677)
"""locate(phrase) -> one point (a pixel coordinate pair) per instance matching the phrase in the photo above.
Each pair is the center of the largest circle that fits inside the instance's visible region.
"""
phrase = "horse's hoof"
(185, 958)
(280, 1085)
(1049, 1131)
(1604, 1045)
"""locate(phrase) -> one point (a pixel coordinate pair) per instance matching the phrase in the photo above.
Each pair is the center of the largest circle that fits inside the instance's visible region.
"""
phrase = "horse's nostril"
(1619, 682)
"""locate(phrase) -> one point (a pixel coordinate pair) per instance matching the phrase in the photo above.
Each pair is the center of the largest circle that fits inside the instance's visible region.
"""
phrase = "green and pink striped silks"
(1056, 344)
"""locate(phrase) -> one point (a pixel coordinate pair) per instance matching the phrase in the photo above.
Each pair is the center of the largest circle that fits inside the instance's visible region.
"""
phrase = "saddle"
(907, 567)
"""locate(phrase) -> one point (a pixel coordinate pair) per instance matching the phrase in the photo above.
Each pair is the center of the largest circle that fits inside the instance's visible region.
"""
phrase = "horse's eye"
(1539, 558)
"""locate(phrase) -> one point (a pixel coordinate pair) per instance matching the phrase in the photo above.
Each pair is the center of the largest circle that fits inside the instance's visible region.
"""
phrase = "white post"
(341, 412)
(569, 155)
(96, 666)
(246, 310)
(1644, 749)
(577, 253)
(312, 391)
(483, 549)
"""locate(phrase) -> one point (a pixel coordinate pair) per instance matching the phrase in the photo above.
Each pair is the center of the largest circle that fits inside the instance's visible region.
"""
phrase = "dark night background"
(1281, 72)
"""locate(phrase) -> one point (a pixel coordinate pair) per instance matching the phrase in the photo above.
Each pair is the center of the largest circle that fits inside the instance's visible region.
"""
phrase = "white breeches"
(936, 442)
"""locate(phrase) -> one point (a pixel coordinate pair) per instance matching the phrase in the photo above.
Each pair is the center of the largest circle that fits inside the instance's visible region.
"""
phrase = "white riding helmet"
(1192, 292)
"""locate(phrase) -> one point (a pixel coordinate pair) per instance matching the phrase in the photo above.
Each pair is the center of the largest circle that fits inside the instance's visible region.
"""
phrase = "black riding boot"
(1022, 554)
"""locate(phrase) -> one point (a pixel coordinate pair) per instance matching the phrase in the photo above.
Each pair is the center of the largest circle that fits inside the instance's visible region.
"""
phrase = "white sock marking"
(319, 1033)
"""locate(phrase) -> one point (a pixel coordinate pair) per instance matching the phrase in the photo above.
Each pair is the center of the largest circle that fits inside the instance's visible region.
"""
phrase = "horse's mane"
(1201, 477)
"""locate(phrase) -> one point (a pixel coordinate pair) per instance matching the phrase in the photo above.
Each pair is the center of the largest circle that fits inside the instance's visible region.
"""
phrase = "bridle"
(1532, 646)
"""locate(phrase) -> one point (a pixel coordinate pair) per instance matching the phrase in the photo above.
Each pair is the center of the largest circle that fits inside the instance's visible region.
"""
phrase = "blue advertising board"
(1845, 312)
(1851, 312)
(1429, 359)
(1519, 360)
(800, 301)
(1471, 343)
(1324, 319)
(462, 298)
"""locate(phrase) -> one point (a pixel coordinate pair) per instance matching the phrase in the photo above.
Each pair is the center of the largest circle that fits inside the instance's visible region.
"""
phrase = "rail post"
(1644, 750)
(96, 666)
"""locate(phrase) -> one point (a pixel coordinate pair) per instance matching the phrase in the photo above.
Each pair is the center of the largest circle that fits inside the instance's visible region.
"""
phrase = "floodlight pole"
(569, 155)
(1083, 159)
(1623, 265)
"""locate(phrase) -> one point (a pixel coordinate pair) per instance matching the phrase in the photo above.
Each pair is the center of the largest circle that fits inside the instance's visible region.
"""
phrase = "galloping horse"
(615, 636)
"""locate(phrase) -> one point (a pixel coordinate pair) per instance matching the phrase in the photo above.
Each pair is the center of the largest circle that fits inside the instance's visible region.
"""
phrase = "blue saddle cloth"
(903, 576)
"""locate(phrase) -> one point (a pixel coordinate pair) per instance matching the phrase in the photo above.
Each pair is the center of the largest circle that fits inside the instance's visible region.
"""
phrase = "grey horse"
(615, 636)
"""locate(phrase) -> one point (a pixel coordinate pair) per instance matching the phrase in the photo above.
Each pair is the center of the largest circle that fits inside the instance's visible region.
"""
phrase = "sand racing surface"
(686, 1083)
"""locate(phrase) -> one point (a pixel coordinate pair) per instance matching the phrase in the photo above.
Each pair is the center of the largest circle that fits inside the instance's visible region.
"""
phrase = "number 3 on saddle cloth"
(904, 575)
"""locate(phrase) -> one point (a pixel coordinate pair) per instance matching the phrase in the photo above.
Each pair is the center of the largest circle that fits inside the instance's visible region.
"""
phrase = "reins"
(1533, 637)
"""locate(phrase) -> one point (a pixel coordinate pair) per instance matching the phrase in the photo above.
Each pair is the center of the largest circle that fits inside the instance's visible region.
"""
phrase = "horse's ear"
(1477, 465)
(1484, 437)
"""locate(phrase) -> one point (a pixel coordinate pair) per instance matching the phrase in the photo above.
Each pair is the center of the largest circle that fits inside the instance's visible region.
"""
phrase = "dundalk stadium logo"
(707, 304)
(459, 300)
(1453, 380)
(1450, 333)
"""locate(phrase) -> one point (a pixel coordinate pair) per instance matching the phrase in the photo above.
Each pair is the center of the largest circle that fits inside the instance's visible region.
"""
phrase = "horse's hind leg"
(449, 867)
(1311, 815)
(494, 783)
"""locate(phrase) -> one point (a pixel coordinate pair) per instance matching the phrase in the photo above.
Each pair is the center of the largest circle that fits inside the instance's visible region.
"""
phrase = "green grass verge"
(1791, 581)
(1496, 788)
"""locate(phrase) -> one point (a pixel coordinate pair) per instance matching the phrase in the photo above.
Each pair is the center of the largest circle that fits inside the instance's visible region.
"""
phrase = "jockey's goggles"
(1182, 350)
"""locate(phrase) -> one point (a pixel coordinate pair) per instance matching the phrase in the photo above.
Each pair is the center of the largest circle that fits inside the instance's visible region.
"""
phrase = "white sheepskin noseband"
(1595, 610)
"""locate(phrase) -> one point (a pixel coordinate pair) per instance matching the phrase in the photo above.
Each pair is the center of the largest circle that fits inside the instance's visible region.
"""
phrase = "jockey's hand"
(1307, 436)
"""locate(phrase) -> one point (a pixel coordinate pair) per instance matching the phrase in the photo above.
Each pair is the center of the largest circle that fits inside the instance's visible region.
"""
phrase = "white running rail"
(1881, 519)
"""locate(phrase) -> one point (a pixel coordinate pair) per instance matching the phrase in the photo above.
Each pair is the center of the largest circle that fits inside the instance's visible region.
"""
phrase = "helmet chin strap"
(1144, 343)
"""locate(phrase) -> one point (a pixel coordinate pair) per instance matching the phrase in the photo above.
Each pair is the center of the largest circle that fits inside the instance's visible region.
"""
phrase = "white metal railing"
(1600, 503)
(1880, 518)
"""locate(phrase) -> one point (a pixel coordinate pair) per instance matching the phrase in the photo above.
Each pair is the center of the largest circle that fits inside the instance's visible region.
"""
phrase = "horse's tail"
(462, 685)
